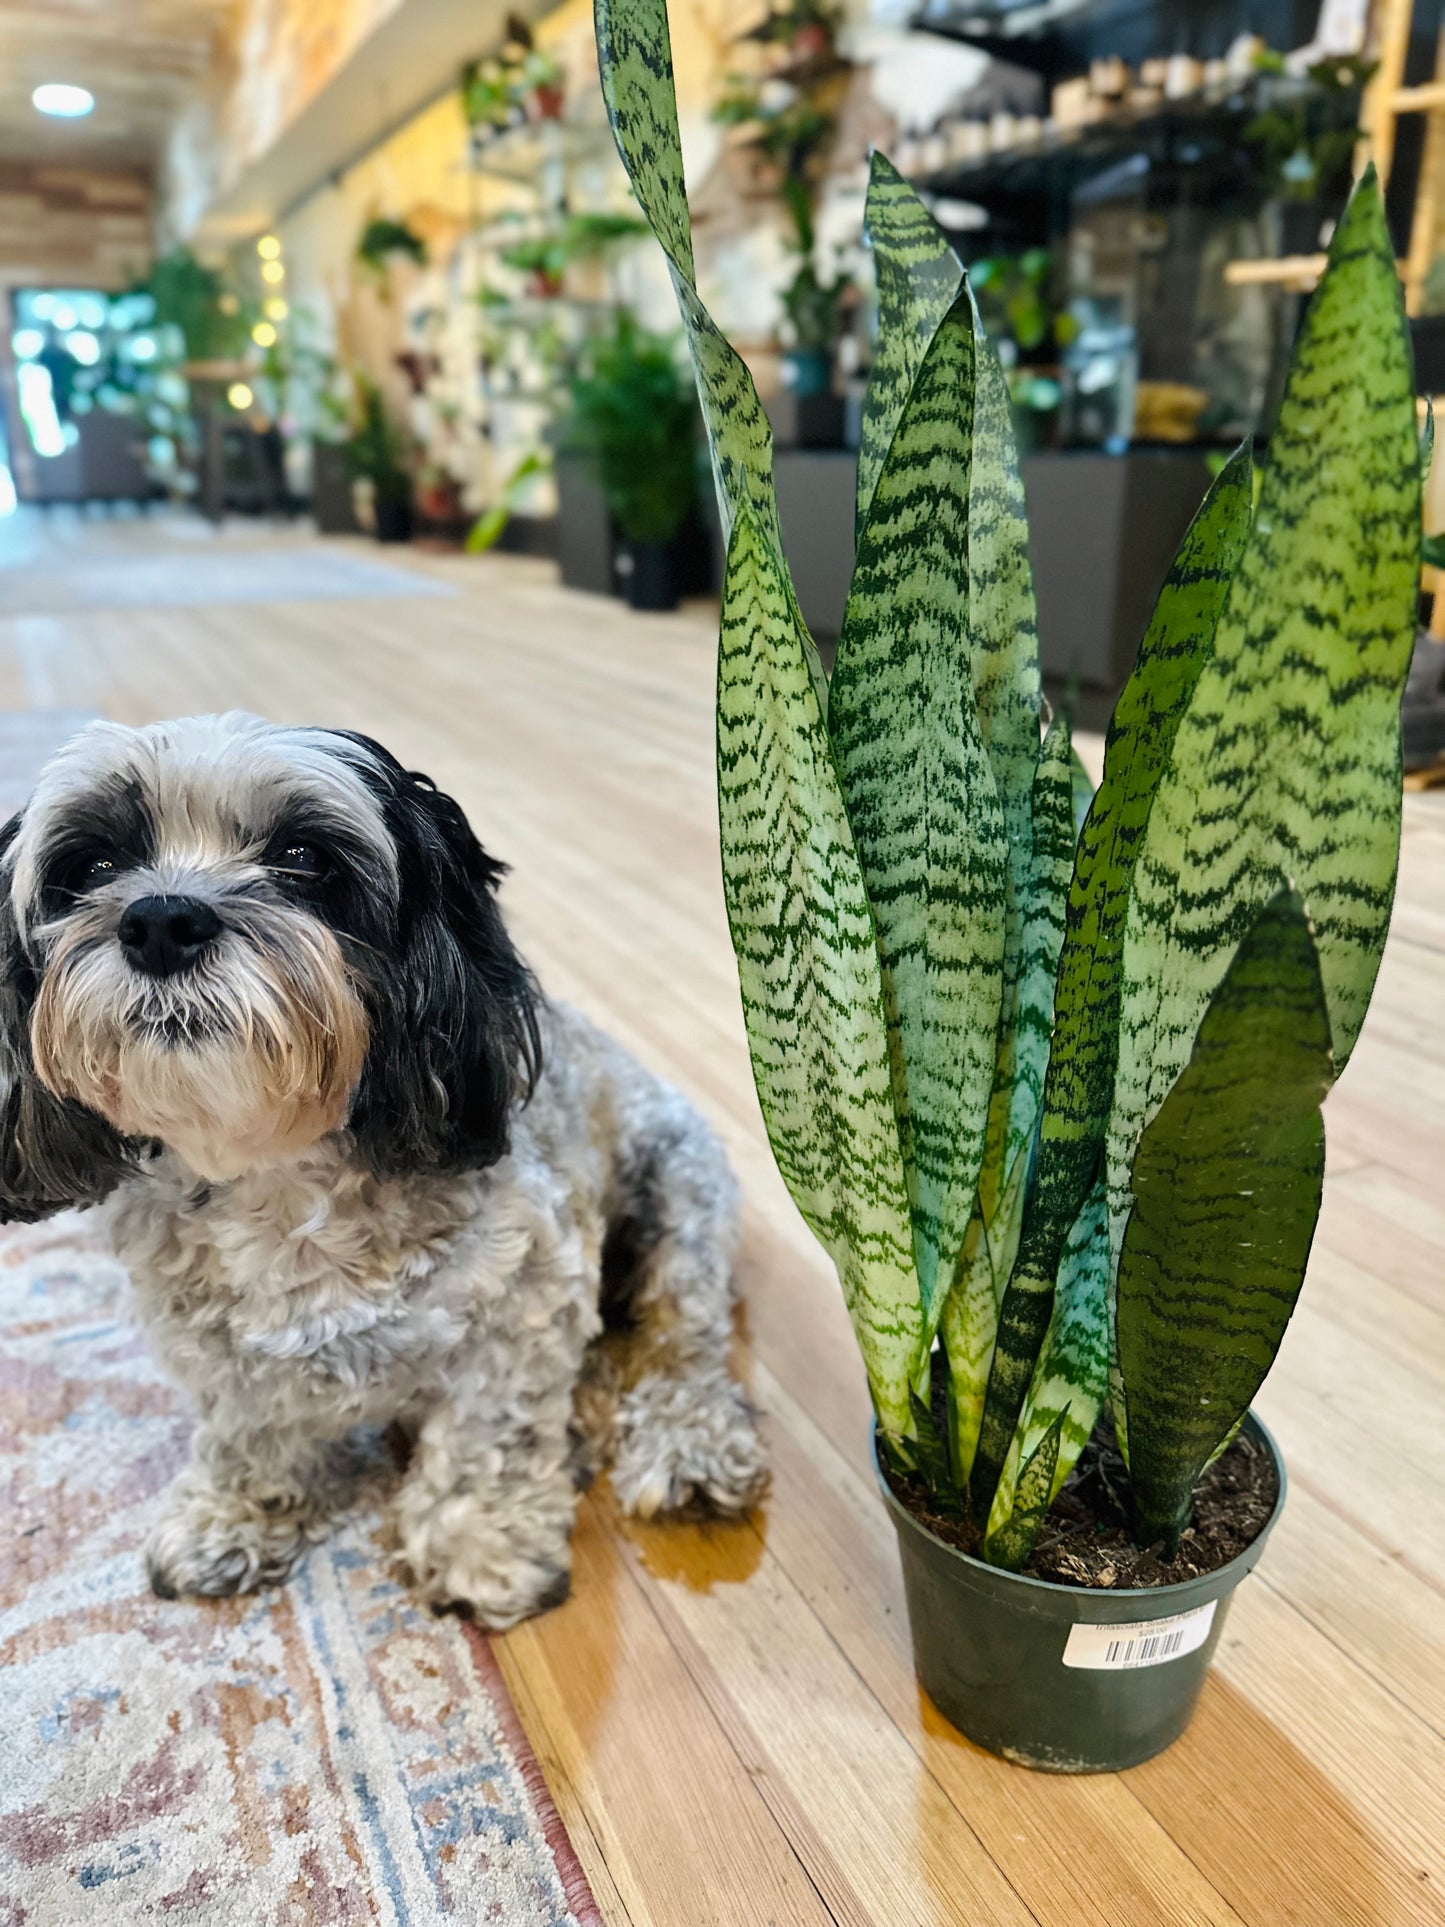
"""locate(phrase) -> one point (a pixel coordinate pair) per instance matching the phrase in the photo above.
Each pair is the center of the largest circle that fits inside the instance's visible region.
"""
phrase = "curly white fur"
(303, 1301)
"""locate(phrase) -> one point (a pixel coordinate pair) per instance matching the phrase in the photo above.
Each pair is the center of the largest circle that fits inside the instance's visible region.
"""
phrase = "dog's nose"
(162, 935)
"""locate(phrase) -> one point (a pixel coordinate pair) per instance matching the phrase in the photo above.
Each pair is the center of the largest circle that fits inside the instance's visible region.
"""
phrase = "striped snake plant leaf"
(1226, 1187)
(918, 278)
(801, 923)
(1287, 762)
(1004, 624)
(921, 798)
(970, 1314)
(1079, 1087)
(634, 58)
(918, 281)
(1014, 1540)
(808, 967)
(1071, 1379)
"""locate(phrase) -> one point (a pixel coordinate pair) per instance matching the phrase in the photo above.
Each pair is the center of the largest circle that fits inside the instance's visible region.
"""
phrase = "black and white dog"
(258, 997)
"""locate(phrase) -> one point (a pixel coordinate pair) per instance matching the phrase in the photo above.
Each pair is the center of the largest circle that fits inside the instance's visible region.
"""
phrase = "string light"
(239, 395)
(273, 272)
(268, 247)
(264, 335)
(275, 309)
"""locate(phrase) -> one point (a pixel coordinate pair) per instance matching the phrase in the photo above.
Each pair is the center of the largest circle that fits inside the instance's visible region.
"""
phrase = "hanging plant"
(382, 238)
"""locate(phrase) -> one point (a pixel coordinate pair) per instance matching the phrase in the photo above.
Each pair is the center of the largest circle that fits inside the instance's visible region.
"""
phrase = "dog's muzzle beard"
(247, 1057)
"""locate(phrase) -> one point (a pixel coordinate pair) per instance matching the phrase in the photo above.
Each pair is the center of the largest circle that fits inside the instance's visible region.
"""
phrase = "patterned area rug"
(314, 1756)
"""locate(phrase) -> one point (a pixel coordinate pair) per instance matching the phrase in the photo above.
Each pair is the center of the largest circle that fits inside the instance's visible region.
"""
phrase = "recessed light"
(63, 101)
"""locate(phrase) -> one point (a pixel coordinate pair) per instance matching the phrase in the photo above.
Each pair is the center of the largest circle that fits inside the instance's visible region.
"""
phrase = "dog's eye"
(85, 872)
(303, 861)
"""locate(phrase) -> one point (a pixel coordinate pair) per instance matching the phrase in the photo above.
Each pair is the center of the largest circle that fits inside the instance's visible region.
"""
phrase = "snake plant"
(1049, 1097)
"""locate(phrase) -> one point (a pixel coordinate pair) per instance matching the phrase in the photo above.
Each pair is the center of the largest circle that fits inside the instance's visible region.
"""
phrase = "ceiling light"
(264, 335)
(272, 271)
(63, 101)
(239, 395)
(268, 247)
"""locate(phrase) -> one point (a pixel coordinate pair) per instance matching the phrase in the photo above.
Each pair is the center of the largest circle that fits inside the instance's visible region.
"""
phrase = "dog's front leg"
(485, 1513)
(244, 1510)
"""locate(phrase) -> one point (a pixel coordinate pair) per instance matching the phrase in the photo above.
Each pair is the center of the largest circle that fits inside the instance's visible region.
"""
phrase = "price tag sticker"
(1138, 1642)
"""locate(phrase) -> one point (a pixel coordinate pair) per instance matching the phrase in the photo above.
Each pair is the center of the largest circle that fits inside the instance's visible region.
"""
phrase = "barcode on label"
(1140, 1642)
(1132, 1652)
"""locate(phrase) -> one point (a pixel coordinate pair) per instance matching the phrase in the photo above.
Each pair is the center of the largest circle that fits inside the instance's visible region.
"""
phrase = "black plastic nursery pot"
(654, 579)
(393, 518)
(1069, 1679)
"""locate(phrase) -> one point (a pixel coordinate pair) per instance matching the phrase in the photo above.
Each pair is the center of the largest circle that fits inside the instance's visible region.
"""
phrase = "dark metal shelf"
(1057, 39)
(1056, 163)
(1044, 40)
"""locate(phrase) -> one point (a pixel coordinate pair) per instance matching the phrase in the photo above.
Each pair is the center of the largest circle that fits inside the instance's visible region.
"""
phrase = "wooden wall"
(72, 226)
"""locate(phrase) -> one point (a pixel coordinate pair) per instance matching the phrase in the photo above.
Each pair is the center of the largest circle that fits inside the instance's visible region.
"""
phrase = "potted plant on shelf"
(545, 257)
(1050, 1098)
(1304, 140)
(378, 455)
(812, 315)
(630, 413)
(522, 82)
(1030, 334)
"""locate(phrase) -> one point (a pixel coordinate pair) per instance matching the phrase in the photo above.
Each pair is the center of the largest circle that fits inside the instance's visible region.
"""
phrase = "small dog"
(258, 995)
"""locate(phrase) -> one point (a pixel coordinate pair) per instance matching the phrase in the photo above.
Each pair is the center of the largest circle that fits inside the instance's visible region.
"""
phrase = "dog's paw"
(498, 1600)
(213, 1542)
(497, 1554)
(498, 1591)
(688, 1446)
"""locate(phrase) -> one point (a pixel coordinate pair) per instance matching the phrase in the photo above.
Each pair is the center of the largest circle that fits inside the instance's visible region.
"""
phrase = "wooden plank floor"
(728, 1716)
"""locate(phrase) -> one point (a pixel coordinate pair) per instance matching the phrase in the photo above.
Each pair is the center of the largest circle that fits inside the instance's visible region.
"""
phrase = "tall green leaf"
(1004, 627)
(1045, 896)
(1013, 1541)
(921, 797)
(970, 1315)
(1226, 1187)
(1079, 1087)
(801, 923)
(634, 58)
(1071, 1378)
(808, 967)
(918, 278)
(1003, 618)
(1288, 760)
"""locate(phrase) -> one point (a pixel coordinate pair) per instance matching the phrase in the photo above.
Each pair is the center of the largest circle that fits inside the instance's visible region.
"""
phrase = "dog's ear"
(53, 1152)
(453, 1011)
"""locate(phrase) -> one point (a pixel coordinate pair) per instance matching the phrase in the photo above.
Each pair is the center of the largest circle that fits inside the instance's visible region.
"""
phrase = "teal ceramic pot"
(1069, 1679)
(807, 371)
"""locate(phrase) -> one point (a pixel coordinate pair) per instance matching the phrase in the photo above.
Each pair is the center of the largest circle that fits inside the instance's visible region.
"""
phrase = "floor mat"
(322, 1754)
(216, 573)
